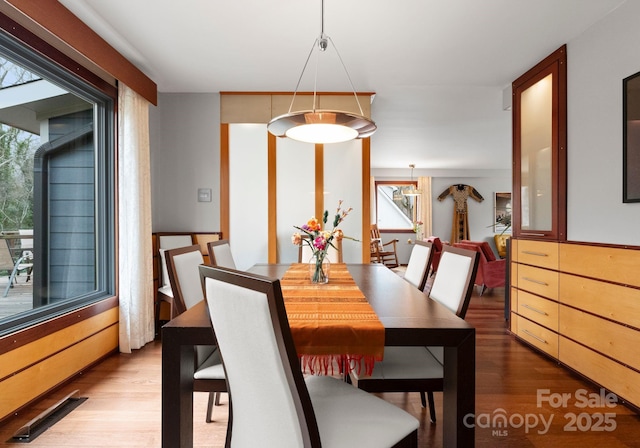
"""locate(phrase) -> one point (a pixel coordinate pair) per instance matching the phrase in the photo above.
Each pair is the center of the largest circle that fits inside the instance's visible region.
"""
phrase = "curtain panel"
(424, 206)
(135, 269)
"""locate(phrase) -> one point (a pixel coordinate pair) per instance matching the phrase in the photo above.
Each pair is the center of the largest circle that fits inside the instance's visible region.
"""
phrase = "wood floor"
(123, 406)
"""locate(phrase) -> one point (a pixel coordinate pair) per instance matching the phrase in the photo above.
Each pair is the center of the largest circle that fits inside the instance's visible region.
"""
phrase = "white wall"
(597, 61)
(185, 148)
(185, 156)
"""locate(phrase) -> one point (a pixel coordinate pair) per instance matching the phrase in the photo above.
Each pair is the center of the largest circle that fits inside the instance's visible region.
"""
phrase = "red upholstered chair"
(436, 248)
(491, 270)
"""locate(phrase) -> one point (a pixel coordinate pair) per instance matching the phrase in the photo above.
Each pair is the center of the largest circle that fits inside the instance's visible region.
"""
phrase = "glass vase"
(319, 267)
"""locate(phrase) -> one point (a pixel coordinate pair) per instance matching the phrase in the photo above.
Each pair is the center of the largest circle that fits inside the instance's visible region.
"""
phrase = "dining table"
(409, 317)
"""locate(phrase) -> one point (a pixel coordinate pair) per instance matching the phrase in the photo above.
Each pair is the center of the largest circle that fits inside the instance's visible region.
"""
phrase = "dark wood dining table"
(409, 318)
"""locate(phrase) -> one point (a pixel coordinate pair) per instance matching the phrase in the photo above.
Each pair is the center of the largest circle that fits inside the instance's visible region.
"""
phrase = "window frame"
(24, 48)
(403, 183)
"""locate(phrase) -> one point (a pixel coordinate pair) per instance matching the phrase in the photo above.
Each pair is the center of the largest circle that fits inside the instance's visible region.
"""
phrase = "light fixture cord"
(355, 95)
(302, 74)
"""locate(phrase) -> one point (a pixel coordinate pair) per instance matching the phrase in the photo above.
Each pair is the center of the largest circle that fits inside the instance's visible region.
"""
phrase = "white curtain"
(424, 206)
(134, 222)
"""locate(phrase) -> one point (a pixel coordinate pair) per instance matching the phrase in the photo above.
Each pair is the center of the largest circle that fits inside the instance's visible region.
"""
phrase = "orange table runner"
(331, 322)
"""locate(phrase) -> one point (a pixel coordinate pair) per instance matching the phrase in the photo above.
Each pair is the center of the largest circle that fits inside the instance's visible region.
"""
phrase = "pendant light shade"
(322, 125)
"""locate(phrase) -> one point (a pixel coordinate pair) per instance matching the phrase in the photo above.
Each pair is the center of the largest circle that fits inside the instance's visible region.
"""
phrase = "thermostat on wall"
(204, 194)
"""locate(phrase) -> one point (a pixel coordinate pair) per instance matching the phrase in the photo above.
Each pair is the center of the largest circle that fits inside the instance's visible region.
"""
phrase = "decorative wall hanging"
(460, 224)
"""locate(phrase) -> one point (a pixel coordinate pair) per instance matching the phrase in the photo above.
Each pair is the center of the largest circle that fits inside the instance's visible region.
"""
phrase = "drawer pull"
(533, 280)
(537, 254)
(532, 234)
(536, 310)
(534, 336)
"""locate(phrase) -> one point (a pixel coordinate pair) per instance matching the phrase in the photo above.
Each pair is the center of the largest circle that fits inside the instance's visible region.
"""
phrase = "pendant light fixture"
(322, 125)
(411, 191)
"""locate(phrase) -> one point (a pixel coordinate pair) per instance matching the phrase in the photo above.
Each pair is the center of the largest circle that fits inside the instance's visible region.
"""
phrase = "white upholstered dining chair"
(421, 369)
(165, 294)
(220, 254)
(272, 405)
(417, 270)
(184, 278)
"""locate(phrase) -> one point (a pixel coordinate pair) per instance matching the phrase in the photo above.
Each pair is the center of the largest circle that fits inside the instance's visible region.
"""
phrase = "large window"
(396, 207)
(56, 189)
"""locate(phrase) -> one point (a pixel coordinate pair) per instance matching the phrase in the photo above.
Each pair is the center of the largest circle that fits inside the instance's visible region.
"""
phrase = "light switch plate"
(204, 194)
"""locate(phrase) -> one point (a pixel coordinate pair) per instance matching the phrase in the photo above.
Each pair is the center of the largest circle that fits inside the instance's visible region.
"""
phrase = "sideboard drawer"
(538, 253)
(538, 281)
(615, 302)
(620, 342)
(616, 377)
(539, 310)
(538, 336)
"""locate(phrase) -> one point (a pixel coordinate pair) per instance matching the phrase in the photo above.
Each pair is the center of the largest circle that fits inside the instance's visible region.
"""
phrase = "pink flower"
(296, 239)
(320, 243)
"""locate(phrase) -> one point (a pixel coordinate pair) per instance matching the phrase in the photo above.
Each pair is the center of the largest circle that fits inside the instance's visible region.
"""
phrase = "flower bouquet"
(320, 241)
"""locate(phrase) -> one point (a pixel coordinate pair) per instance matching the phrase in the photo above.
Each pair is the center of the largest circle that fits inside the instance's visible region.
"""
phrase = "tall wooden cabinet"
(579, 303)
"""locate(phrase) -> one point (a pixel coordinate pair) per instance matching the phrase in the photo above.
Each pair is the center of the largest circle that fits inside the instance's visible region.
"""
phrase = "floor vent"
(47, 419)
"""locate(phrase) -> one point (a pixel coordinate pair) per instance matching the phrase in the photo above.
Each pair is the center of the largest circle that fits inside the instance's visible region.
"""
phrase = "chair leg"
(432, 407)
(157, 321)
(12, 277)
(423, 400)
(212, 398)
(217, 400)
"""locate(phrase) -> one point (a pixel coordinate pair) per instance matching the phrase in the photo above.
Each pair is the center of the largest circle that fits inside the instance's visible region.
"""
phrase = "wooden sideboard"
(580, 304)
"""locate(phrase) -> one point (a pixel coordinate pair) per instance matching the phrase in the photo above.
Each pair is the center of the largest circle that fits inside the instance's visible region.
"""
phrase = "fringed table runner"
(331, 322)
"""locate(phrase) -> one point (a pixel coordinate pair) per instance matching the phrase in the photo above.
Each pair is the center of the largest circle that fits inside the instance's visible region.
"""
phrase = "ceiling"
(438, 67)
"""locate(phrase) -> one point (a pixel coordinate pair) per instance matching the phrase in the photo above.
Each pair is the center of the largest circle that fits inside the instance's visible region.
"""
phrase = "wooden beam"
(225, 225)
(272, 193)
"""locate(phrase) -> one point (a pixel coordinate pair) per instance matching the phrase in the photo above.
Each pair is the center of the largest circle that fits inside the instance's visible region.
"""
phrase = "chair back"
(166, 242)
(484, 247)
(334, 253)
(220, 254)
(418, 267)
(184, 277)
(269, 399)
(453, 282)
(26, 243)
(6, 260)
(375, 232)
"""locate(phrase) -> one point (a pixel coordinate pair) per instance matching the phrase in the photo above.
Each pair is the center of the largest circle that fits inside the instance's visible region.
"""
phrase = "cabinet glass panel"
(536, 156)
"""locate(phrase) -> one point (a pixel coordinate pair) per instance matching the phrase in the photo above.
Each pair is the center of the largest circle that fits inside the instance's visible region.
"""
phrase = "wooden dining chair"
(384, 253)
(184, 278)
(421, 369)
(417, 271)
(164, 293)
(220, 254)
(272, 404)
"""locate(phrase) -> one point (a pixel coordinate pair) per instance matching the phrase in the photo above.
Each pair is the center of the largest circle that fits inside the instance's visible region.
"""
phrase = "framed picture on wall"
(631, 140)
(502, 213)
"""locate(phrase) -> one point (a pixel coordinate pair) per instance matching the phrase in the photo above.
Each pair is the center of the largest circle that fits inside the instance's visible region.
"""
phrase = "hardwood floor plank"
(123, 406)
